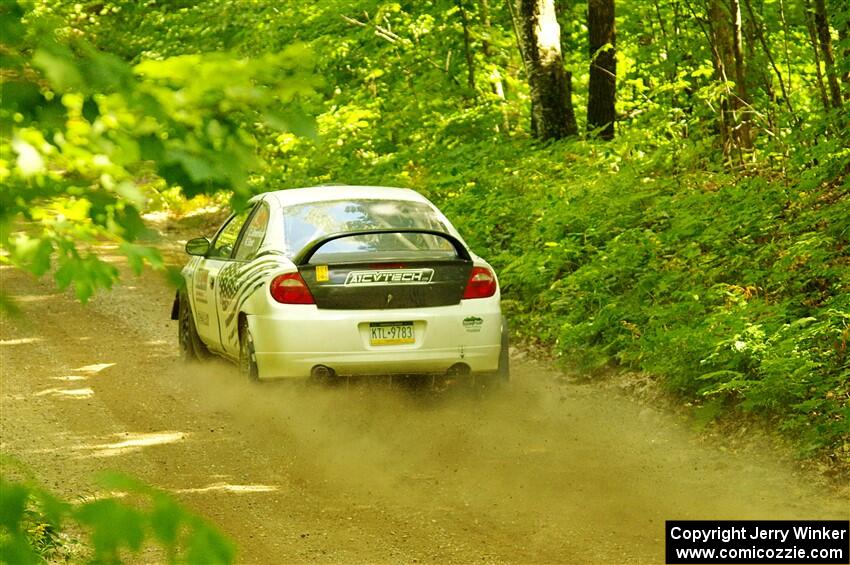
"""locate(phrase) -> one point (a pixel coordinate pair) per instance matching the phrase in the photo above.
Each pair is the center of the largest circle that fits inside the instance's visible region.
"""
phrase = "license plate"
(391, 333)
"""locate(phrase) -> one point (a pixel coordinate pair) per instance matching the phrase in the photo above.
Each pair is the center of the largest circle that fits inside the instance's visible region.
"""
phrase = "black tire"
(191, 346)
(247, 354)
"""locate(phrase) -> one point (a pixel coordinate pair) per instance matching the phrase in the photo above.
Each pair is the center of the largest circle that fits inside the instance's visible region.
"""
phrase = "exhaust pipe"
(458, 370)
(322, 372)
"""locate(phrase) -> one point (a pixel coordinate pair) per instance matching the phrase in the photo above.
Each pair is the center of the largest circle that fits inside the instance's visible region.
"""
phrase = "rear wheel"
(247, 354)
(191, 346)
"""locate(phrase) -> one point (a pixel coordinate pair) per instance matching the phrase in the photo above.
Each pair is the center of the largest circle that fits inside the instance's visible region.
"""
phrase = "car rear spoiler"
(303, 257)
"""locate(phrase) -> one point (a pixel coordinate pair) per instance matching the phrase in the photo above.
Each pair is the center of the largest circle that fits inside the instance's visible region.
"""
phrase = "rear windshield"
(304, 223)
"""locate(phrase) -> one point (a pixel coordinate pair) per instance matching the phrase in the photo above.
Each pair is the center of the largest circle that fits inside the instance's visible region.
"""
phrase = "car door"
(241, 276)
(207, 275)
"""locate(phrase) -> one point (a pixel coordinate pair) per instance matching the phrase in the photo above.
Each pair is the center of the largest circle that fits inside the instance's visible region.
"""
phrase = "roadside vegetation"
(700, 234)
(38, 527)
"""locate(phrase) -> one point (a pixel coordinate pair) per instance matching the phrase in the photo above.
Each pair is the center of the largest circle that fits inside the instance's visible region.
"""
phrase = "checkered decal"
(237, 282)
(229, 284)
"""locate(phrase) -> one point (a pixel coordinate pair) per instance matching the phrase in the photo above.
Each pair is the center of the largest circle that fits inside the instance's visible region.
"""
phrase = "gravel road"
(549, 471)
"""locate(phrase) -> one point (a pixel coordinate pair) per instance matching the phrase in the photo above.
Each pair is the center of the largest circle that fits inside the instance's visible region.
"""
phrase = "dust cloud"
(552, 467)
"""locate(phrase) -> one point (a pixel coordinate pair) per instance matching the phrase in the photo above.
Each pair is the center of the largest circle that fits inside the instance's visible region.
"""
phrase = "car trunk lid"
(385, 279)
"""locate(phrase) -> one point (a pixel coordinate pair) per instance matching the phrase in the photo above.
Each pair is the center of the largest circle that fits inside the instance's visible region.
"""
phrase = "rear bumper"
(294, 339)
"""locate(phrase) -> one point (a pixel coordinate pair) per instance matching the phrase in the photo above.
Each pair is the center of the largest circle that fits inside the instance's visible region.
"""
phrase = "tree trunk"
(497, 86)
(822, 27)
(602, 88)
(844, 38)
(760, 32)
(467, 47)
(726, 41)
(742, 102)
(563, 13)
(813, 39)
(548, 81)
(841, 22)
(722, 58)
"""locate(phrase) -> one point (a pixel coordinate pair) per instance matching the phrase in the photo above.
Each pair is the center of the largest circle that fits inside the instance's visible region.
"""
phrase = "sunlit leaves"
(138, 255)
(86, 132)
(32, 254)
(86, 272)
(295, 120)
(58, 66)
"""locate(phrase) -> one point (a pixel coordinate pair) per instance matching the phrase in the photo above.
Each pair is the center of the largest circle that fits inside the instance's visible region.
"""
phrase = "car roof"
(293, 196)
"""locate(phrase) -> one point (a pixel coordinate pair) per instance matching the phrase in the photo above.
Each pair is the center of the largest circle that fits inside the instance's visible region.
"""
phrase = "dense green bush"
(732, 287)
(645, 254)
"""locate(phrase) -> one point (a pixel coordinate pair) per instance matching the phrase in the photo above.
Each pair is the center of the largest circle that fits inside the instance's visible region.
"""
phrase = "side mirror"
(198, 246)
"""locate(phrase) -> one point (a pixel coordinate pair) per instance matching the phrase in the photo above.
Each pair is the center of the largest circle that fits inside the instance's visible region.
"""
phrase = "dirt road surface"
(546, 472)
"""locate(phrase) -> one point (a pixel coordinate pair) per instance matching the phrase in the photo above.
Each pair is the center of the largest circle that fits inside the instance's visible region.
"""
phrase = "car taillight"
(482, 284)
(291, 289)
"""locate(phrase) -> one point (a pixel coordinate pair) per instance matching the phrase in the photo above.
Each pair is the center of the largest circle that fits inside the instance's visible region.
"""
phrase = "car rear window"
(304, 223)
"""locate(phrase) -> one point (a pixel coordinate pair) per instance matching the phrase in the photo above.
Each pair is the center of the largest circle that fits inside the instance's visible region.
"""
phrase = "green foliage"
(733, 288)
(728, 276)
(645, 253)
(33, 526)
(88, 140)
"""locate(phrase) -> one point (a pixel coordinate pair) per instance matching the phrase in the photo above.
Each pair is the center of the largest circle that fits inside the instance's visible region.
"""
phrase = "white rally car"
(342, 281)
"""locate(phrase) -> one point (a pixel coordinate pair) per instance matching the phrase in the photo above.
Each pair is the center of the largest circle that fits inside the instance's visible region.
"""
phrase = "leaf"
(114, 526)
(205, 545)
(11, 14)
(86, 274)
(105, 72)
(165, 520)
(174, 276)
(131, 192)
(137, 255)
(34, 255)
(21, 96)
(59, 65)
(294, 120)
(29, 161)
(803, 322)
(90, 109)
(15, 549)
(151, 148)
(130, 221)
(197, 168)
(52, 116)
(13, 501)
(51, 508)
(8, 304)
